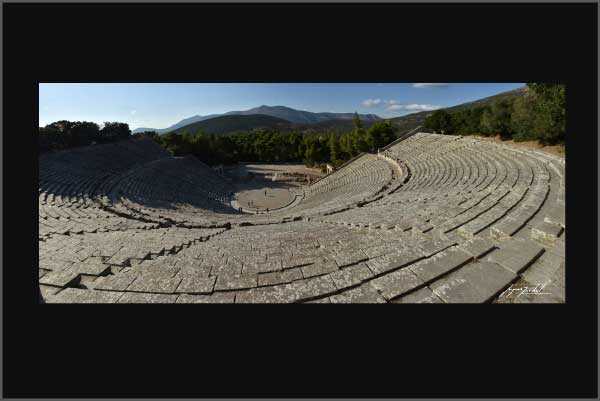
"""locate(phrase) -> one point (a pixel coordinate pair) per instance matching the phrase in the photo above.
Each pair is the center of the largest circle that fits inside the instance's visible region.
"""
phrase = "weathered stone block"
(474, 283)
(396, 283)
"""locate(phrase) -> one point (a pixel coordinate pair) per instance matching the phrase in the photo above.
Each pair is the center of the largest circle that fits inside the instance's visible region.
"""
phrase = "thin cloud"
(412, 107)
(133, 112)
(370, 102)
(429, 85)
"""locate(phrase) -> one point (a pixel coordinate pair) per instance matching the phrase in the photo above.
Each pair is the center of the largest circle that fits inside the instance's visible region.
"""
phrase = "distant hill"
(411, 121)
(285, 113)
(232, 123)
(302, 117)
(180, 124)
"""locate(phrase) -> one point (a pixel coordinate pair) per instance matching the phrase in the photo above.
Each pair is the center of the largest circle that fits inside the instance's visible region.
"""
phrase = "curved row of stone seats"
(178, 189)
(472, 219)
(356, 182)
(79, 261)
(71, 181)
(73, 220)
(77, 172)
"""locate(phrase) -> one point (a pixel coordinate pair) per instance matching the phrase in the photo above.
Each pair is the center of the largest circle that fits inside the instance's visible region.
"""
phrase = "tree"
(439, 121)
(497, 119)
(487, 122)
(501, 111)
(523, 118)
(113, 131)
(356, 121)
(380, 134)
(550, 112)
(334, 150)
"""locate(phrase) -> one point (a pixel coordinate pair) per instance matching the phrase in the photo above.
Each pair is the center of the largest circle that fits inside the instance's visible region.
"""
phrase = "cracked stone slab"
(396, 283)
(282, 293)
(199, 271)
(160, 285)
(234, 268)
(546, 233)
(114, 282)
(516, 255)
(430, 248)
(272, 265)
(154, 271)
(296, 261)
(476, 282)
(283, 277)
(104, 297)
(393, 261)
(440, 264)
(421, 296)
(319, 268)
(145, 298)
(556, 215)
(349, 257)
(60, 278)
(363, 294)
(216, 298)
(548, 269)
(312, 288)
(196, 284)
(54, 264)
(90, 267)
(380, 250)
(507, 227)
(478, 246)
(351, 276)
(236, 282)
(48, 291)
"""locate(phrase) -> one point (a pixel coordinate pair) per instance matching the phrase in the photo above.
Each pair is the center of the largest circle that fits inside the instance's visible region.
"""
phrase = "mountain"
(233, 123)
(285, 113)
(302, 117)
(411, 121)
(182, 123)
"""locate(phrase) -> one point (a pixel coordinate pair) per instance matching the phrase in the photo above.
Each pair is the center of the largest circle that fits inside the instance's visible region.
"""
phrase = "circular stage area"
(262, 188)
(264, 198)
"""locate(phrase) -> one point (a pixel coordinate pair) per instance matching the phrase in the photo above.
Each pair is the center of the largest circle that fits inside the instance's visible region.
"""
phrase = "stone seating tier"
(459, 222)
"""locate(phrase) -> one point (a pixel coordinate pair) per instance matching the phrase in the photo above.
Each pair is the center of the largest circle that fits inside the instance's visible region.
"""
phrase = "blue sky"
(159, 105)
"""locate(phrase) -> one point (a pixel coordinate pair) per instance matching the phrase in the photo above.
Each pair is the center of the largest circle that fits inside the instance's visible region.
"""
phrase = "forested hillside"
(411, 121)
(537, 115)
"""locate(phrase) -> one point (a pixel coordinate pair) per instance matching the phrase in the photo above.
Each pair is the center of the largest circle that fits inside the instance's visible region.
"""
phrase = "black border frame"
(152, 351)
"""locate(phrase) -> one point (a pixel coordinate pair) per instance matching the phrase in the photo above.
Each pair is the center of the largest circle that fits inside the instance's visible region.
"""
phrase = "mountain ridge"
(286, 113)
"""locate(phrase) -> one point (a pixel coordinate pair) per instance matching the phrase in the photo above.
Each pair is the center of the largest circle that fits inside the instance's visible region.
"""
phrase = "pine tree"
(334, 149)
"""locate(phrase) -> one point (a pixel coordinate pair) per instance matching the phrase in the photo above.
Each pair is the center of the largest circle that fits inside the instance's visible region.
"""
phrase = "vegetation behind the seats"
(278, 147)
(70, 134)
(537, 115)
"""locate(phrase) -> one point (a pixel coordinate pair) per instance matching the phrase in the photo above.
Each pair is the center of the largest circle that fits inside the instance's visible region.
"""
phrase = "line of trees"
(537, 115)
(267, 147)
(276, 147)
(70, 134)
